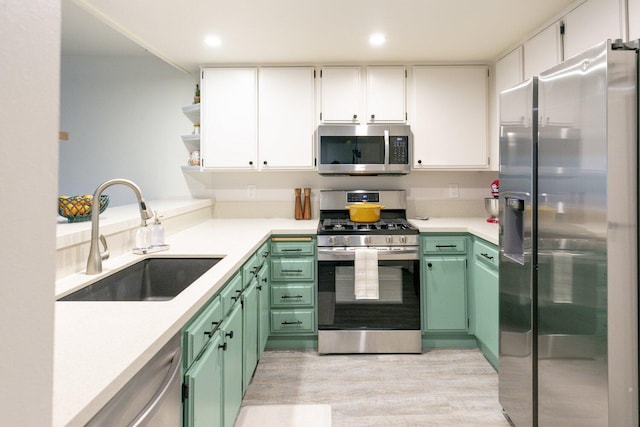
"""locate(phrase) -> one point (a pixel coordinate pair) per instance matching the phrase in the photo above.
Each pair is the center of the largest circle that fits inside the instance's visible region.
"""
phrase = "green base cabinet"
(293, 289)
(444, 288)
(445, 293)
(232, 364)
(264, 297)
(250, 302)
(203, 401)
(485, 299)
(222, 345)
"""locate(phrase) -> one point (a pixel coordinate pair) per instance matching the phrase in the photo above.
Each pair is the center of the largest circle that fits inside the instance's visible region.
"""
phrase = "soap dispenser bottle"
(142, 236)
(157, 231)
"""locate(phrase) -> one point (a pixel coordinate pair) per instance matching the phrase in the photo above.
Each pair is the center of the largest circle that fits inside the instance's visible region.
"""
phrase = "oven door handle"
(349, 254)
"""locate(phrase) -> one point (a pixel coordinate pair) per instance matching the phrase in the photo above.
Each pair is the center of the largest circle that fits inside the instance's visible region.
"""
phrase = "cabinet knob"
(223, 347)
(250, 162)
(355, 116)
(230, 335)
(419, 162)
(264, 163)
(373, 116)
(429, 265)
(264, 280)
(259, 287)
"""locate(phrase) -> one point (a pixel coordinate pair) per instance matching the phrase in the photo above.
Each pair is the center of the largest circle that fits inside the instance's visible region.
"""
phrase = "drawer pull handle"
(266, 254)
(446, 246)
(290, 296)
(292, 250)
(292, 271)
(298, 322)
(291, 239)
(210, 333)
(486, 256)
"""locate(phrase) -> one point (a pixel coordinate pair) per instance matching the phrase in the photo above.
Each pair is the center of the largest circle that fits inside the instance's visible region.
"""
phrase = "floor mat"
(284, 416)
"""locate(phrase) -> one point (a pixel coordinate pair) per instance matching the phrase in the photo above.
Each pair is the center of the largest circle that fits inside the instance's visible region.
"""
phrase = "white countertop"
(476, 226)
(99, 346)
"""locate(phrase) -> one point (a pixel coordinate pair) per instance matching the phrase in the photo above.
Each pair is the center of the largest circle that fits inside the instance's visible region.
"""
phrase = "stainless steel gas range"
(353, 257)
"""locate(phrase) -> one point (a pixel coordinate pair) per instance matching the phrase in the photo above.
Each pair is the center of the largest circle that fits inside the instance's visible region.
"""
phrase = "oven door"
(398, 306)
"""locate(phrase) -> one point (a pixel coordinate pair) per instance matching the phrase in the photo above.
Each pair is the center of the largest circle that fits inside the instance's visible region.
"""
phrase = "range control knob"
(403, 239)
(389, 239)
(345, 240)
(333, 240)
(367, 240)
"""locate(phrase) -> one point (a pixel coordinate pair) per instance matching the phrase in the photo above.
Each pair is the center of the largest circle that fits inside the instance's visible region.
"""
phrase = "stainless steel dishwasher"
(153, 397)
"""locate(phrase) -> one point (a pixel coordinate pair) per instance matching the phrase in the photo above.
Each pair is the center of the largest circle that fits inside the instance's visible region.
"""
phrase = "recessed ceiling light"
(212, 41)
(377, 39)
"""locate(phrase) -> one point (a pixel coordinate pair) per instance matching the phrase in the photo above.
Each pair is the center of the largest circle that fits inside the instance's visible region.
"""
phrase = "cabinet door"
(634, 19)
(446, 297)
(509, 70)
(286, 118)
(340, 94)
(203, 404)
(542, 51)
(449, 117)
(386, 94)
(232, 328)
(591, 23)
(485, 281)
(229, 118)
(264, 289)
(250, 332)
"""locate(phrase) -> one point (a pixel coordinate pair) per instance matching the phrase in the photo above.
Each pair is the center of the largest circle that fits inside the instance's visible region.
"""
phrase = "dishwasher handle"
(154, 404)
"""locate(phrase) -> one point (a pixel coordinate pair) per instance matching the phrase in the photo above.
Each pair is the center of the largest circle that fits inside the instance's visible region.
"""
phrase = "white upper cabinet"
(286, 118)
(341, 95)
(229, 118)
(449, 117)
(543, 51)
(590, 23)
(381, 101)
(386, 94)
(509, 70)
(634, 19)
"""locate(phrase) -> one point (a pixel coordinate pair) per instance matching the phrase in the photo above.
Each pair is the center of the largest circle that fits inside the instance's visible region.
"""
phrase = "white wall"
(29, 84)
(123, 115)
(427, 192)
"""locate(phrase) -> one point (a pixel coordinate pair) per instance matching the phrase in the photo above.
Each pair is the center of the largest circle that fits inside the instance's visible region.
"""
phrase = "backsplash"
(271, 195)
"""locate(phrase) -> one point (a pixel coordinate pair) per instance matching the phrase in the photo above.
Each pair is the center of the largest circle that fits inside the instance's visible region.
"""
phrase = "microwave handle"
(386, 147)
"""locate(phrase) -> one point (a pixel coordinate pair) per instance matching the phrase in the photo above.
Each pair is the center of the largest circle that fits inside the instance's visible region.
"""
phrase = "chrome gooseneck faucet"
(94, 263)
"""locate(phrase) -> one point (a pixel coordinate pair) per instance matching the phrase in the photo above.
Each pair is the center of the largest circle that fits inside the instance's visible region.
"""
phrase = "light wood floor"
(436, 388)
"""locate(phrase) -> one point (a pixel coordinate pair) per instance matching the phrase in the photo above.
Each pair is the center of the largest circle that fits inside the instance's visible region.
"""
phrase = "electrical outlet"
(251, 191)
(453, 191)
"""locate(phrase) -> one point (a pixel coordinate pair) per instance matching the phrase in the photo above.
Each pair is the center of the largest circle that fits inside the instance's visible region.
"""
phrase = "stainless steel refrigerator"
(568, 243)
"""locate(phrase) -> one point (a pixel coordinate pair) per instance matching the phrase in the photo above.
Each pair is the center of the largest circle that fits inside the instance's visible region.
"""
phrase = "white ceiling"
(303, 31)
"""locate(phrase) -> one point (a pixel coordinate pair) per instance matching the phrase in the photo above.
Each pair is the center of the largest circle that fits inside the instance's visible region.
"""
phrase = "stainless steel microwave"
(364, 150)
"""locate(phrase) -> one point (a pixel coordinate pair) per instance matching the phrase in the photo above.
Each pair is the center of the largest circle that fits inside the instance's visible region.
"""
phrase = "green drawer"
(487, 254)
(444, 244)
(249, 270)
(231, 293)
(288, 295)
(293, 321)
(292, 246)
(300, 269)
(263, 253)
(201, 330)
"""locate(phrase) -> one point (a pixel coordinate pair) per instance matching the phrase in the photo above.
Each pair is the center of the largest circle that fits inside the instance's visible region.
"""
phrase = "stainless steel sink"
(151, 279)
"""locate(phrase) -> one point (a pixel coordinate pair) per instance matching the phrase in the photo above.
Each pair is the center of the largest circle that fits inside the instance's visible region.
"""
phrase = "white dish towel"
(366, 284)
